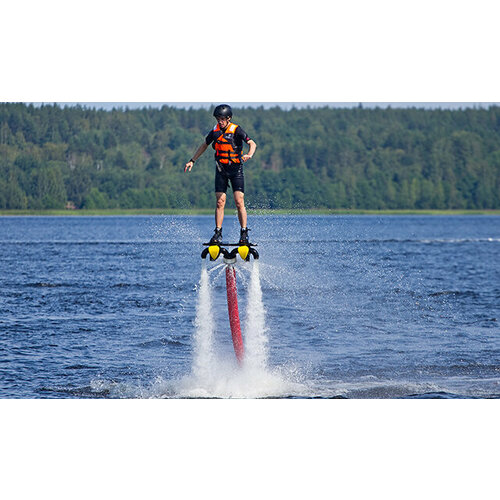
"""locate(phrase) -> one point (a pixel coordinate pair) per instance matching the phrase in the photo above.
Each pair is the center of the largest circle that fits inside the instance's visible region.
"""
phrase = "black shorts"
(233, 173)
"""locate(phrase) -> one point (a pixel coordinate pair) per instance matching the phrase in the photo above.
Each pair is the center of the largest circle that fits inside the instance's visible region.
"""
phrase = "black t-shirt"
(239, 136)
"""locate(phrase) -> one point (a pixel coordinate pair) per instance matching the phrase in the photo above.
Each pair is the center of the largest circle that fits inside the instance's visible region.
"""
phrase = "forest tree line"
(356, 158)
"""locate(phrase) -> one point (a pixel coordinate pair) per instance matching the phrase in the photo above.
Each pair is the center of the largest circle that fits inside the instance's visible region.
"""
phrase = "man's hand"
(245, 158)
(189, 165)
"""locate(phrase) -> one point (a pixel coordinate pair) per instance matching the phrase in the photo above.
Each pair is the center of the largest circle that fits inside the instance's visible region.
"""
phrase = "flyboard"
(230, 257)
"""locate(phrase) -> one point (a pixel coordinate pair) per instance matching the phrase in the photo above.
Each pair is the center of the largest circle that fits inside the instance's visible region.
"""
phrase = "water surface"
(355, 306)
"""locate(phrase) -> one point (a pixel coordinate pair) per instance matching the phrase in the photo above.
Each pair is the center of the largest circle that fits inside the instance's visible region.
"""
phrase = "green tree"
(95, 200)
(49, 189)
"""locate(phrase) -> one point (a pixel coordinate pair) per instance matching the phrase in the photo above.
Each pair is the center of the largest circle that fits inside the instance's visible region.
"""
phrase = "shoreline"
(252, 212)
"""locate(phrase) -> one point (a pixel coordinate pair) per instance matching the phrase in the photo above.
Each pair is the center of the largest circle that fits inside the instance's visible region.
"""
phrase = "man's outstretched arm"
(199, 152)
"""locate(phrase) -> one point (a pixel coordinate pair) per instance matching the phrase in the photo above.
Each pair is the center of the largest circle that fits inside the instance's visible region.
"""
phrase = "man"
(227, 140)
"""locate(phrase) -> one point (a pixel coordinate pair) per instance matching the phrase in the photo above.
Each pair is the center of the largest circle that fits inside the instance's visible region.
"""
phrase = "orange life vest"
(226, 151)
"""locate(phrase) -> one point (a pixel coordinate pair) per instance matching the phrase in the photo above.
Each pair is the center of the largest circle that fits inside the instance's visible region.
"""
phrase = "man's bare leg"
(219, 209)
(239, 200)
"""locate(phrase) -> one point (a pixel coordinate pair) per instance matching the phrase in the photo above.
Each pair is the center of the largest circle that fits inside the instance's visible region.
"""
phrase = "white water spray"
(204, 328)
(220, 377)
(256, 341)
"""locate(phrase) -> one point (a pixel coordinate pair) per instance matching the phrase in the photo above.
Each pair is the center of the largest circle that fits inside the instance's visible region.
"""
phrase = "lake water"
(350, 306)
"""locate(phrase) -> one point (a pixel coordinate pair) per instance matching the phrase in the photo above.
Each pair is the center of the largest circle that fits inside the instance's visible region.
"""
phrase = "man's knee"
(221, 200)
(239, 200)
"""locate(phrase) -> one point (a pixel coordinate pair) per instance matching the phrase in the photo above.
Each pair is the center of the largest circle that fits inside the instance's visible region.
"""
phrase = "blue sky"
(285, 105)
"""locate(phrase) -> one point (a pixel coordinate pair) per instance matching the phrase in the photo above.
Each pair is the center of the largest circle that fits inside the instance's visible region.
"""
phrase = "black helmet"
(223, 111)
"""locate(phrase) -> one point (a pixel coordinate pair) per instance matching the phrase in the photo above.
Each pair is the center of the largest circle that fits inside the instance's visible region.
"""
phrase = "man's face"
(223, 122)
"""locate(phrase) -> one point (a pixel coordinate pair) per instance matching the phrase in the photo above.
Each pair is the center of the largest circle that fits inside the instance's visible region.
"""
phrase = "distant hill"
(76, 157)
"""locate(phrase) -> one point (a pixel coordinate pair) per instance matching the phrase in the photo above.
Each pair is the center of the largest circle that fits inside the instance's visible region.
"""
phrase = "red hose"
(234, 317)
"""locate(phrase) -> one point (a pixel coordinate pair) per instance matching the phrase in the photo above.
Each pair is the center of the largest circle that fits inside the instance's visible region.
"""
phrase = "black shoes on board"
(217, 237)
